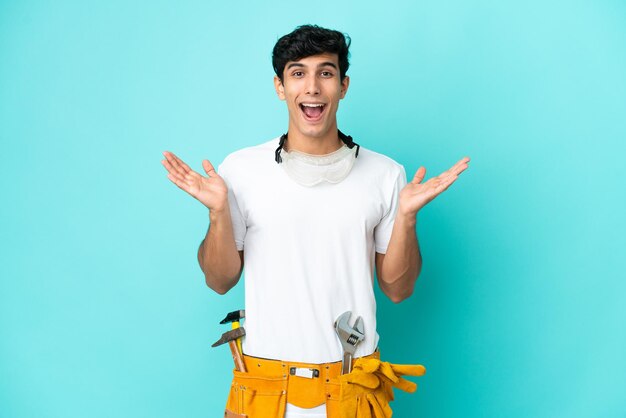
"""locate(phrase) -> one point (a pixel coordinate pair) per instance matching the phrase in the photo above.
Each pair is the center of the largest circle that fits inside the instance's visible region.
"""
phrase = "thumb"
(208, 168)
(419, 175)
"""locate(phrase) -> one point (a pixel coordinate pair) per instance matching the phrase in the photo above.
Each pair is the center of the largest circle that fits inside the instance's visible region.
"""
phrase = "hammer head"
(234, 316)
(231, 335)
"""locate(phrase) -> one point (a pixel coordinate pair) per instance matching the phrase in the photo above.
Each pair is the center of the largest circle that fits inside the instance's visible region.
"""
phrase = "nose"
(312, 85)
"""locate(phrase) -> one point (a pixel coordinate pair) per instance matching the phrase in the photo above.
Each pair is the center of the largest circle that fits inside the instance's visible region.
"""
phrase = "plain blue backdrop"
(519, 311)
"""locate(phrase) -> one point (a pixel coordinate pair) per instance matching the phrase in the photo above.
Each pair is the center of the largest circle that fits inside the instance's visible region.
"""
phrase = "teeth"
(312, 104)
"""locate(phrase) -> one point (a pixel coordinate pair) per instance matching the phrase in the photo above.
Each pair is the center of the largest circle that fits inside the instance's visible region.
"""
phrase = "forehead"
(314, 61)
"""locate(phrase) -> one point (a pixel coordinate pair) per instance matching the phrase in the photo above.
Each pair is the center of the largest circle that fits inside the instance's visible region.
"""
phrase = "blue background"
(519, 311)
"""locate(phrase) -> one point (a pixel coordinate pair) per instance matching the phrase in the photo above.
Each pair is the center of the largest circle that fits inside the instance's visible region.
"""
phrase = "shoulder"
(249, 156)
(379, 163)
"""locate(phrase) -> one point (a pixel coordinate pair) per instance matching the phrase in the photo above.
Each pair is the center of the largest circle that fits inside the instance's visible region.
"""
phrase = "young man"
(310, 214)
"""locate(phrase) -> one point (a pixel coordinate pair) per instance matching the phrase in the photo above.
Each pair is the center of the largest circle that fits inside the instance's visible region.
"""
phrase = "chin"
(314, 132)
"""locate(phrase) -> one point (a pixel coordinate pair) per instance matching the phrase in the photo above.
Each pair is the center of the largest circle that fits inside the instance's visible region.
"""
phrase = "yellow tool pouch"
(268, 385)
(255, 396)
(367, 390)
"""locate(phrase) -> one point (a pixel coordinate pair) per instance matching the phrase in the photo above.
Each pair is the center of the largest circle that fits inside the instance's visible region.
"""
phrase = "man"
(310, 214)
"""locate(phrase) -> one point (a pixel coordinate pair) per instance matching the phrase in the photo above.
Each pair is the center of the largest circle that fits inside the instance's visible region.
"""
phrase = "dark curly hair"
(308, 40)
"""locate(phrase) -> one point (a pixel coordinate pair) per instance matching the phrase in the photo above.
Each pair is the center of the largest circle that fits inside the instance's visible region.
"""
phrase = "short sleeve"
(382, 231)
(239, 223)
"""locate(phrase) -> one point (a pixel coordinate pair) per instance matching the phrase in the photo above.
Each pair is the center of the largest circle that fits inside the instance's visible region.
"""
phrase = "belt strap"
(308, 384)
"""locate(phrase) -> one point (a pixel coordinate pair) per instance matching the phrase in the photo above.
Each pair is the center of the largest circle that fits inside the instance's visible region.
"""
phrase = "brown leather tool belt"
(264, 390)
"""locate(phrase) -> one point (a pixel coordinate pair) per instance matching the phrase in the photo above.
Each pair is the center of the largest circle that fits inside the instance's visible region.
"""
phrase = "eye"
(297, 74)
(327, 74)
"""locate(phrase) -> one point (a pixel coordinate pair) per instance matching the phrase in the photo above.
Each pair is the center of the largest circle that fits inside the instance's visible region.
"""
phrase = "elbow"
(221, 286)
(219, 290)
(396, 293)
(399, 290)
(400, 296)
(221, 278)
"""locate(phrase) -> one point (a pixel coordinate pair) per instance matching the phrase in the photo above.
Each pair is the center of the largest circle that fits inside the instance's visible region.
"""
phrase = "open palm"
(415, 195)
(211, 191)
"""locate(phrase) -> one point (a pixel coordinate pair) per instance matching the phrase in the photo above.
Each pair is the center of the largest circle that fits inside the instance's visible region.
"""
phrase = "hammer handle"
(237, 356)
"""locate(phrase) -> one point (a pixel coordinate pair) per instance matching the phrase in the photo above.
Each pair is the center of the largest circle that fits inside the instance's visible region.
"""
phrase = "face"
(312, 88)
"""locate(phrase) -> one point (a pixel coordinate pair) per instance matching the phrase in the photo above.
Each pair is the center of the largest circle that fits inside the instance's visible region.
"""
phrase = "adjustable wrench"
(350, 337)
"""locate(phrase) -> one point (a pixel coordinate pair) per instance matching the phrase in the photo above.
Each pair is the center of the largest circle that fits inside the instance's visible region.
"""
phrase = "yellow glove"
(366, 391)
(392, 372)
(358, 401)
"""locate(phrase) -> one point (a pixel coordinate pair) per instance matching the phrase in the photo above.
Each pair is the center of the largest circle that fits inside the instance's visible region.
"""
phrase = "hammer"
(231, 337)
(235, 317)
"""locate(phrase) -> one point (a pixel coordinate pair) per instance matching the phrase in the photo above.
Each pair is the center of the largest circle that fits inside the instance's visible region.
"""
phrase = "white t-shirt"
(309, 251)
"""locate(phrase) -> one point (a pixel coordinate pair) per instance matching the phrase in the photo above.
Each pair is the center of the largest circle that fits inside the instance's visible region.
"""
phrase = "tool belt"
(264, 390)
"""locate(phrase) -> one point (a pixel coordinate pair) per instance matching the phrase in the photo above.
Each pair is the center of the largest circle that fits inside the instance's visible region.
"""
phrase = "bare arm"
(219, 259)
(398, 269)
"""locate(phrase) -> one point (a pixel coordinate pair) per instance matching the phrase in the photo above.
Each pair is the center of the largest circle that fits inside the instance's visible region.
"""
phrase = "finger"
(172, 171)
(444, 176)
(433, 182)
(180, 183)
(169, 155)
(460, 166)
(419, 175)
(455, 166)
(443, 185)
(461, 169)
(455, 170)
(428, 190)
(409, 369)
(375, 406)
(180, 164)
(175, 163)
(190, 177)
(183, 165)
(208, 168)
(434, 186)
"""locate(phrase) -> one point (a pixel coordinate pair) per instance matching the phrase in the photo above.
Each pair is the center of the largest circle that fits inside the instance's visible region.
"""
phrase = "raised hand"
(211, 191)
(415, 195)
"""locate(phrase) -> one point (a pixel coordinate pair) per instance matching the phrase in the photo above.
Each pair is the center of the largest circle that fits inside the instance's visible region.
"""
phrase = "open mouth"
(312, 111)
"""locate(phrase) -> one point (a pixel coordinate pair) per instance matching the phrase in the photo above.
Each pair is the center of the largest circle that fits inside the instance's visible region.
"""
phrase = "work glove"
(367, 390)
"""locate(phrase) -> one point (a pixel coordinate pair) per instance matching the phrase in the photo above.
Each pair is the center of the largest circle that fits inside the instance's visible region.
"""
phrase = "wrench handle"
(346, 363)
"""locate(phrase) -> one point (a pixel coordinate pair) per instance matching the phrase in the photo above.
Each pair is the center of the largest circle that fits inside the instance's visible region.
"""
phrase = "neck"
(313, 145)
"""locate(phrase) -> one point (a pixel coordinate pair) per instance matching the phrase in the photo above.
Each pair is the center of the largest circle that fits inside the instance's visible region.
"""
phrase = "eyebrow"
(327, 64)
(323, 64)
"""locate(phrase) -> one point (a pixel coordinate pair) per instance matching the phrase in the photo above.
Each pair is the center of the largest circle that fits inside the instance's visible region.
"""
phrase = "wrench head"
(350, 336)
(358, 325)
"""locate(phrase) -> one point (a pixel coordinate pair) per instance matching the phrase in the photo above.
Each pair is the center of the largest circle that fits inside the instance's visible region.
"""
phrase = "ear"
(344, 86)
(280, 89)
